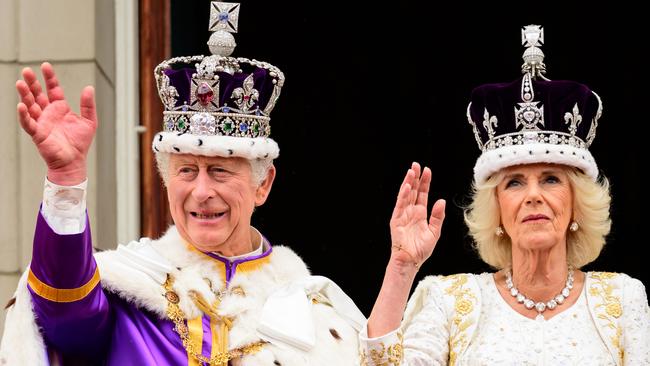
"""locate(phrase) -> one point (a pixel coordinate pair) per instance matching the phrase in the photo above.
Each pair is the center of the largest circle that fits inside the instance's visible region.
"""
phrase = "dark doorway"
(371, 88)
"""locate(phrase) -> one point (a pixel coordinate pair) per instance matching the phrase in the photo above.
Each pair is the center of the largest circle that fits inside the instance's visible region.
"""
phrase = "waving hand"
(61, 136)
(413, 234)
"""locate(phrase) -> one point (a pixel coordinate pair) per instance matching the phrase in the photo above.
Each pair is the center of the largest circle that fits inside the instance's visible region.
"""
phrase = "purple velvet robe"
(101, 326)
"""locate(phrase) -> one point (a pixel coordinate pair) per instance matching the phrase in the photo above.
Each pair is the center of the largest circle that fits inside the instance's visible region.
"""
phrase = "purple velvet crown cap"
(534, 119)
(181, 79)
(558, 97)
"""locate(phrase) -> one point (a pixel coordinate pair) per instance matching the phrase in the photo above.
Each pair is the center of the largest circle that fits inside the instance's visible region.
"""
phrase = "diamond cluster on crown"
(534, 137)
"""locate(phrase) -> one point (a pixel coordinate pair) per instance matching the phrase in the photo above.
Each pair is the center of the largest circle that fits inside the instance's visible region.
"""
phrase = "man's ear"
(264, 188)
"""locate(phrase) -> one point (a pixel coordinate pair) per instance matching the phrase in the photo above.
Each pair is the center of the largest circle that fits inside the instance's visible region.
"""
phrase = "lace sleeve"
(422, 339)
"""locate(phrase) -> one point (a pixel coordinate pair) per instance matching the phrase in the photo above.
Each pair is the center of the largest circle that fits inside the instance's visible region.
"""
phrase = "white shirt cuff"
(383, 350)
(64, 207)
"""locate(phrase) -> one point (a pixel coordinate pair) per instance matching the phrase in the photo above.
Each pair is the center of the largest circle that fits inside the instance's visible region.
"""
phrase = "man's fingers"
(35, 111)
(27, 98)
(28, 74)
(87, 104)
(54, 91)
(26, 121)
(35, 87)
(25, 94)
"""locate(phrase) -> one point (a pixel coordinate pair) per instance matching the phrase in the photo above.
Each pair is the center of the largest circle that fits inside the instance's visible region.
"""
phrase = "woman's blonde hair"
(591, 203)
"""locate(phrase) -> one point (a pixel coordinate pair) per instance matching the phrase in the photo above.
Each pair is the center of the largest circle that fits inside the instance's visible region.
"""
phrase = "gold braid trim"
(177, 316)
(463, 305)
(62, 295)
(384, 356)
(610, 307)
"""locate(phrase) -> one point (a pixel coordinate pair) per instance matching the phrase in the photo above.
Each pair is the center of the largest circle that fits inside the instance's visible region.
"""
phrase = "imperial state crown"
(218, 105)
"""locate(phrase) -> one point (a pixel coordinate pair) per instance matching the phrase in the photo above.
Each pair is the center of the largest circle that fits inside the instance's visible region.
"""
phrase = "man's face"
(211, 200)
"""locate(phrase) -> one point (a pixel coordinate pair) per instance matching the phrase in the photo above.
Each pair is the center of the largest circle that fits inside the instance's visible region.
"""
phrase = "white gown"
(452, 323)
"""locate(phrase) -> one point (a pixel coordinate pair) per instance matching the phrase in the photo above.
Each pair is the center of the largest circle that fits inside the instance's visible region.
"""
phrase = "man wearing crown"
(212, 290)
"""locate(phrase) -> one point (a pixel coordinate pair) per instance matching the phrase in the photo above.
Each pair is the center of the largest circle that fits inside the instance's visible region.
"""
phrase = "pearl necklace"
(540, 306)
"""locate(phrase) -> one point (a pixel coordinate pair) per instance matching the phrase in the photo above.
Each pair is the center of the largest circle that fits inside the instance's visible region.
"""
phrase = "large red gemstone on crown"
(204, 94)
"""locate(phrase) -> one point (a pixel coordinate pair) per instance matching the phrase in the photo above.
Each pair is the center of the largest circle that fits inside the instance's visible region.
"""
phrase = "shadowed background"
(372, 88)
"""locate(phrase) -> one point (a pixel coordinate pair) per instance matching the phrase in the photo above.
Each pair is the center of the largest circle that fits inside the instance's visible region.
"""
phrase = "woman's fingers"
(415, 185)
(54, 91)
(423, 187)
(403, 194)
(437, 217)
(408, 177)
(402, 200)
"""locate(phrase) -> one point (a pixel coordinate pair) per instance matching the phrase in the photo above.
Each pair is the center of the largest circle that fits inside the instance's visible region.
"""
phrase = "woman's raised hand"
(413, 234)
(61, 136)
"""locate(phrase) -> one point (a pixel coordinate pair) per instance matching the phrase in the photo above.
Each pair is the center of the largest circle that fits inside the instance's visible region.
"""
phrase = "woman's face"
(536, 205)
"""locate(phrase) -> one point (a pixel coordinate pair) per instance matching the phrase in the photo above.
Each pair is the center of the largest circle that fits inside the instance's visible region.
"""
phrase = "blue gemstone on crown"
(223, 16)
(243, 127)
(169, 124)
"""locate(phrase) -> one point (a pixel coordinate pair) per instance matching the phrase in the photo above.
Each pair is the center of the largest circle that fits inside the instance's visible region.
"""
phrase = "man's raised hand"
(61, 136)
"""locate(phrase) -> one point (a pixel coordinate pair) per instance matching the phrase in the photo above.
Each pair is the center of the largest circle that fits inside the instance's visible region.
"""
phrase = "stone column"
(78, 38)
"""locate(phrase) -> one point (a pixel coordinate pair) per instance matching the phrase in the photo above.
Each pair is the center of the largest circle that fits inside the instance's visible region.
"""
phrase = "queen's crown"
(534, 119)
(534, 108)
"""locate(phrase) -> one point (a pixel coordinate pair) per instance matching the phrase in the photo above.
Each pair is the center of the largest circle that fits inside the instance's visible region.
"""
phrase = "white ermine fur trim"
(336, 338)
(226, 146)
(22, 343)
(492, 161)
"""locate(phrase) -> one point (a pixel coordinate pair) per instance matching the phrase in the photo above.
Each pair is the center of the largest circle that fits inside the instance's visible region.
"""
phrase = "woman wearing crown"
(539, 212)
(212, 290)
